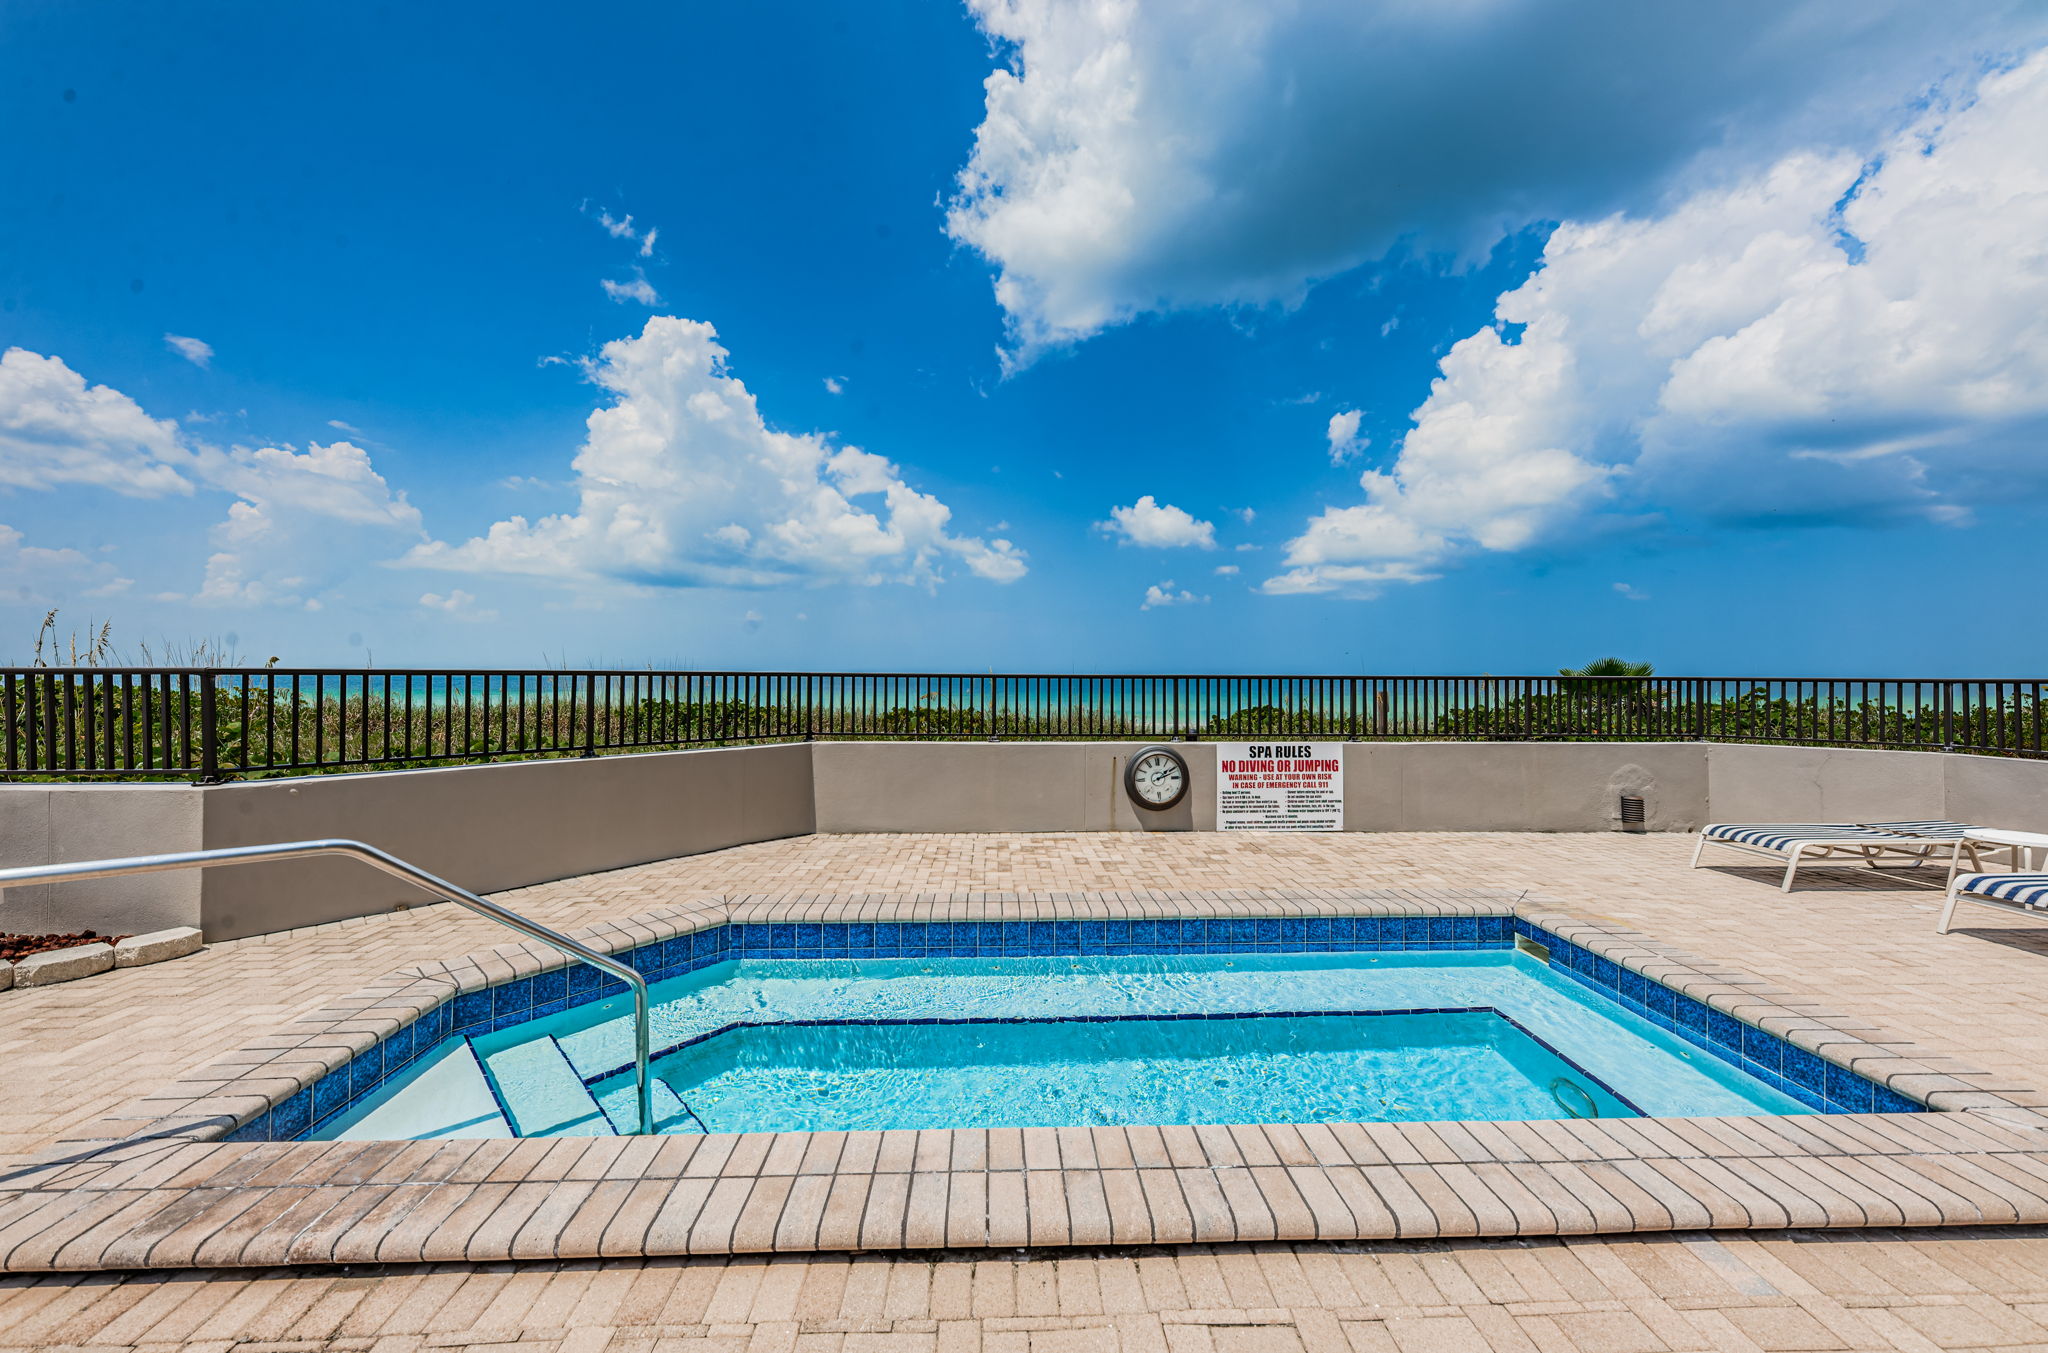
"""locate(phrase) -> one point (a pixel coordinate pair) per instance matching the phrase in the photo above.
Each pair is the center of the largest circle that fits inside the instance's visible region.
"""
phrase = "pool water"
(1249, 1069)
(828, 1044)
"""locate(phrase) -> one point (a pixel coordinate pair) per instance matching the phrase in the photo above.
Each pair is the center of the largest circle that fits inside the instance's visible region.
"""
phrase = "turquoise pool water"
(1053, 1041)
(1296, 1068)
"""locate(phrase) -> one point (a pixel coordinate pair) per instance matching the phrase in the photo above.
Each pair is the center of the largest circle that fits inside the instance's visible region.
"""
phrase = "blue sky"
(1481, 337)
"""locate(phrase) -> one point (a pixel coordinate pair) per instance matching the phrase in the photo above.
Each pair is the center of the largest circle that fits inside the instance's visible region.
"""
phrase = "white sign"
(1280, 786)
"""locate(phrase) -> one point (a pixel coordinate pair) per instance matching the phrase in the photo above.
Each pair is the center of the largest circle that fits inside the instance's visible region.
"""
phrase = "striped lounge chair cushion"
(1782, 835)
(2029, 890)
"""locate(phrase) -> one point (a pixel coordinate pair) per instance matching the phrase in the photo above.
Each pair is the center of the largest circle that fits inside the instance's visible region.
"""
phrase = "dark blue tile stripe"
(1815, 1083)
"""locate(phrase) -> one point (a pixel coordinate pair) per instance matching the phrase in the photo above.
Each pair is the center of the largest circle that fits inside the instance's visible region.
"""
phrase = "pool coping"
(158, 1186)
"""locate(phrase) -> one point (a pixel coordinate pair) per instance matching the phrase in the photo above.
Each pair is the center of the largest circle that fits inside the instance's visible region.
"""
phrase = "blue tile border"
(1787, 1068)
(1813, 1081)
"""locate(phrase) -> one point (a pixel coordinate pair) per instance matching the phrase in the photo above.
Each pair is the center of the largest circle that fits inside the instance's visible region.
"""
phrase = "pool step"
(621, 1106)
(542, 1094)
(448, 1096)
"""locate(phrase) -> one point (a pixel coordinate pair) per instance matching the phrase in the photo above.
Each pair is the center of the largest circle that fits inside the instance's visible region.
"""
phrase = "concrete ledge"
(6, 976)
(155, 947)
(63, 965)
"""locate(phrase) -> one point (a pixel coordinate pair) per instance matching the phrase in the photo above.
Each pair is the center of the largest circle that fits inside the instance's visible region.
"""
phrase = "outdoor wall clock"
(1156, 778)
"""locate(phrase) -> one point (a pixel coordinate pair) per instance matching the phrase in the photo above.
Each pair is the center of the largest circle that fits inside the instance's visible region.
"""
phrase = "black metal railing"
(220, 723)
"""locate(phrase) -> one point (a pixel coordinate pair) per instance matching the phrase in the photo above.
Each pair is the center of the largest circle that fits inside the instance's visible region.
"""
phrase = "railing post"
(590, 714)
(8, 729)
(209, 730)
(1948, 716)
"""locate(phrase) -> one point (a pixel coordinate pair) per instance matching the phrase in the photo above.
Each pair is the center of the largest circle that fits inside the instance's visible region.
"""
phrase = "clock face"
(1156, 778)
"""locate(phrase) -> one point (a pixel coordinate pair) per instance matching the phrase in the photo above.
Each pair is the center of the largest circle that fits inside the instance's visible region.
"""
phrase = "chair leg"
(1702, 845)
(1948, 911)
(1791, 868)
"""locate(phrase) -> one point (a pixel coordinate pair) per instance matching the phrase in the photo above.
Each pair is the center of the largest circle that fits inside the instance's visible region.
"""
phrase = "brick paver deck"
(1861, 943)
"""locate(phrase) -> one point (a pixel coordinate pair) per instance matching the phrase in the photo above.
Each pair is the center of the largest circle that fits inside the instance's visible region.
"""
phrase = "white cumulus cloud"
(1148, 155)
(1345, 443)
(1841, 337)
(229, 580)
(299, 523)
(1166, 594)
(55, 429)
(336, 481)
(43, 575)
(295, 520)
(621, 228)
(682, 482)
(457, 605)
(193, 350)
(638, 289)
(1158, 526)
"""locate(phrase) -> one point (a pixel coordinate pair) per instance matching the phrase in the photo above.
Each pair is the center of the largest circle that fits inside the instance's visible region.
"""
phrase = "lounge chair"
(1797, 842)
(2017, 889)
(2016, 892)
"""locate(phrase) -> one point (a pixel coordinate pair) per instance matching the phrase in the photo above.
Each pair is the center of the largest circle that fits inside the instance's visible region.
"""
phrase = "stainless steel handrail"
(390, 864)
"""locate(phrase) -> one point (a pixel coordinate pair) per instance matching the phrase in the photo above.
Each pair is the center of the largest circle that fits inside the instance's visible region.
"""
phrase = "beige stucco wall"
(54, 824)
(997, 787)
(1826, 784)
(484, 827)
(1434, 786)
(1993, 791)
(492, 827)
(1521, 786)
(505, 826)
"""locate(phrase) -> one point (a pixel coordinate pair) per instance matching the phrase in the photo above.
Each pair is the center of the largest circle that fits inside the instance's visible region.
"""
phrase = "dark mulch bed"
(14, 947)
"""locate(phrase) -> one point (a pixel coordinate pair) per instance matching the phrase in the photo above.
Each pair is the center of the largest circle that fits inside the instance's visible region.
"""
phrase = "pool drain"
(1558, 1091)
